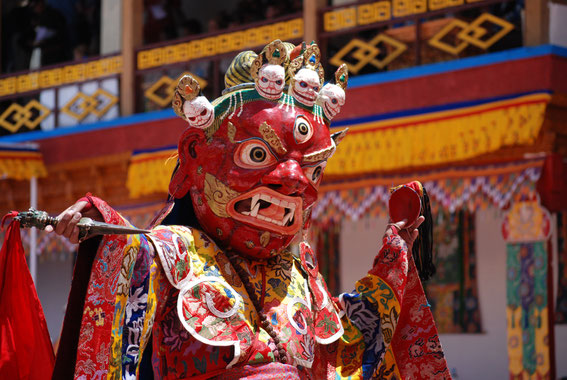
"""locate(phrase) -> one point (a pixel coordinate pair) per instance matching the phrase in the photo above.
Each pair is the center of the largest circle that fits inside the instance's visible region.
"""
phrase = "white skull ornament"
(199, 112)
(270, 81)
(331, 99)
(305, 86)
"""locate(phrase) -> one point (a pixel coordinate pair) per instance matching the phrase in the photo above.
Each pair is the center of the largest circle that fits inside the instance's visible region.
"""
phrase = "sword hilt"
(35, 218)
(87, 226)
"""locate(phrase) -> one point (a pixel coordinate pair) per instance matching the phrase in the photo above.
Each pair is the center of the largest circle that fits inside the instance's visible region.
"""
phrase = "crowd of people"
(37, 33)
(170, 19)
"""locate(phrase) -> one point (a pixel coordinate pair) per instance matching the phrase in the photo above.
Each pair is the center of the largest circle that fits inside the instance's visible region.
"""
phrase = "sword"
(87, 226)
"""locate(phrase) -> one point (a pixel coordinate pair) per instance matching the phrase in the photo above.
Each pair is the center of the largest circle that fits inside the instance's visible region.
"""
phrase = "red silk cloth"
(25, 347)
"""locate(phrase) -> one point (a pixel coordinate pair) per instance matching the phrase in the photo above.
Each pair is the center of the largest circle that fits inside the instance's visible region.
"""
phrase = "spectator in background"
(17, 38)
(159, 22)
(191, 27)
(86, 29)
(50, 33)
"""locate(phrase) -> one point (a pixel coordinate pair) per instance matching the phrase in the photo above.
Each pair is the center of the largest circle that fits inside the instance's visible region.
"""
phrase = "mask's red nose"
(287, 178)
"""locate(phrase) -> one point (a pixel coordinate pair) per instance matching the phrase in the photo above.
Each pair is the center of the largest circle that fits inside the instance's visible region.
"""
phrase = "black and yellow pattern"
(239, 70)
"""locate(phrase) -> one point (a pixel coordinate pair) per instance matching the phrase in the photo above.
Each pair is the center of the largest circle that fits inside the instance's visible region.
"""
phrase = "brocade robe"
(177, 291)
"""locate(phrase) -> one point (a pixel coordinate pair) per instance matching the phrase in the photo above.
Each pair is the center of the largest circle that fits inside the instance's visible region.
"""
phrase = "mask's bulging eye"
(257, 154)
(253, 154)
(302, 130)
(314, 173)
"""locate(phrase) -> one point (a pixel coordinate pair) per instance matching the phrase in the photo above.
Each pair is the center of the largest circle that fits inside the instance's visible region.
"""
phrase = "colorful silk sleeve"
(119, 305)
(390, 313)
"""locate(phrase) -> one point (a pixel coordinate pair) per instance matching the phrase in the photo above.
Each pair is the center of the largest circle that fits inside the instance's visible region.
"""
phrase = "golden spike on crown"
(187, 89)
(312, 57)
(341, 76)
(275, 53)
(306, 76)
(268, 70)
(309, 59)
(189, 104)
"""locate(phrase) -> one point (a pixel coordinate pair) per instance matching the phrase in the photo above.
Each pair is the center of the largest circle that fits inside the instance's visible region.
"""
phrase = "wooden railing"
(60, 96)
(206, 57)
(389, 35)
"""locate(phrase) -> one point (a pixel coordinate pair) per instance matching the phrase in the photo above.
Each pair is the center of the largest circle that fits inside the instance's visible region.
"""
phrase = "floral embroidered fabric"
(178, 285)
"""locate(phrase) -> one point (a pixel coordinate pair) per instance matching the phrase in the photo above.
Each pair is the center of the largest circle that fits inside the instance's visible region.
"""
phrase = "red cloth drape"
(25, 347)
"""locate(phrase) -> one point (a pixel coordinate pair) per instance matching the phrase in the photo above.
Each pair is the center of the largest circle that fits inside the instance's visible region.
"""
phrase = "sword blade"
(94, 227)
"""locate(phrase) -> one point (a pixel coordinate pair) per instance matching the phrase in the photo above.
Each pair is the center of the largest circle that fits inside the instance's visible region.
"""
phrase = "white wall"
(110, 26)
(557, 25)
(484, 356)
(360, 242)
(469, 356)
(53, 285)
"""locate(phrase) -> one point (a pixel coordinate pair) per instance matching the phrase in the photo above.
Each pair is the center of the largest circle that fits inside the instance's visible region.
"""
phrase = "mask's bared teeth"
(255, 209)
(255, 200)
(287, 217)
(291, 219)
(266, 198)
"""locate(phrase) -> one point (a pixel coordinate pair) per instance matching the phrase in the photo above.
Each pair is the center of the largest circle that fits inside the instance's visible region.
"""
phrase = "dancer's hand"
(409, 234)
(68, 219)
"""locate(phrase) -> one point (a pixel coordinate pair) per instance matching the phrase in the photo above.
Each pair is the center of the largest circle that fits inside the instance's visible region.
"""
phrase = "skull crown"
(278, 66)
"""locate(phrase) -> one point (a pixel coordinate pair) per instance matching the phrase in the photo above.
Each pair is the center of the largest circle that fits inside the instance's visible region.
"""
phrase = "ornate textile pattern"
(271, 371)
(141, 302)
(101, 316)
(21, 163)
(474, 188)
(527, 314)
(203, 305)
(453, 291)
(212, 317)
(526, 228)
(149, 172)
(447, 136)
(327, 238)
(367, 321)
(406, 320)
(116, 323)
(561, 310)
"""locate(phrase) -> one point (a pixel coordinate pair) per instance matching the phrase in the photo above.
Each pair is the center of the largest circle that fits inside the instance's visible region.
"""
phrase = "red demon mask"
(252, 173)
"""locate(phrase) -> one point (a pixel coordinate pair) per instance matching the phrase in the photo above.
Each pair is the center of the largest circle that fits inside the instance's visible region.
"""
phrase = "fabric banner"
(327, 239)
(526, 228)
(437, 137)
(451, 189)
(527, 314)
(21, 163)
(379, 144)
(149, 172)
(561, 308)
(25, 346)
(453, 291)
